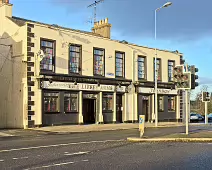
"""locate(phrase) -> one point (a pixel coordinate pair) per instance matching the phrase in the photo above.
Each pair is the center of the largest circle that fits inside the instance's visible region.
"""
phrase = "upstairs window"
(141, 67)
(74, 58)
(170, 70)
(99, 57)
(48, 61)
(120, 64)
(158, 69)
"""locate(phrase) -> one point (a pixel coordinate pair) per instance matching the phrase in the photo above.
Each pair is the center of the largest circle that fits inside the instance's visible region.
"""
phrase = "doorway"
(145, 109)
(89, 111)
(143, 106)
(119, 108)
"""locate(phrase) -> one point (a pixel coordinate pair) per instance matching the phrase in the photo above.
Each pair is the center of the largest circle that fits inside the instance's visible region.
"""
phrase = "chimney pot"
(106, 20)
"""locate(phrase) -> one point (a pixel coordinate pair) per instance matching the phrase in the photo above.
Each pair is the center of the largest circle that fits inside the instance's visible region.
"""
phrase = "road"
(101, 150)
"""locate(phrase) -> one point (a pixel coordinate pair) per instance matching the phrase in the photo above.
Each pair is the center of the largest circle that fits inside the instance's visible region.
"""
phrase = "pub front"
(83, 100)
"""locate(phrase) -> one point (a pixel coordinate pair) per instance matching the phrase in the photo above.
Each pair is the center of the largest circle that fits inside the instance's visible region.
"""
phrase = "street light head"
(167, 4)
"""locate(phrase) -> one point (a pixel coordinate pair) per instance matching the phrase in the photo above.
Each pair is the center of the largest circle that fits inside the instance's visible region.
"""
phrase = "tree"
(197, 105)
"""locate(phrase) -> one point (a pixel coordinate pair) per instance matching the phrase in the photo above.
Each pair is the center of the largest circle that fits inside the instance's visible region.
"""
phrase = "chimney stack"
(102, 28)
(4, 2)
(6, 8)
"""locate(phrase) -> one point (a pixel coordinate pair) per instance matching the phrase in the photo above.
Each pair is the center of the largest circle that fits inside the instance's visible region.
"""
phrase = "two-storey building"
(54, 75)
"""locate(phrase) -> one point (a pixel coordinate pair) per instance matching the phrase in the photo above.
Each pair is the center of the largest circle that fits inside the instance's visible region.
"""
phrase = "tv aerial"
(94, 5)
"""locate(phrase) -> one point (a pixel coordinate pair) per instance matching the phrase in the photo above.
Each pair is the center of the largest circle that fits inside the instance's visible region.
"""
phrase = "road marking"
(76, 153)
(56, 164)
(1, 160)
(57, 145)
(4, 134)
(21, 158)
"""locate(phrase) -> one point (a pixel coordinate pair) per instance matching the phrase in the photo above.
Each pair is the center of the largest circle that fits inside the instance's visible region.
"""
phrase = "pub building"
(83, 100)
(69, 76)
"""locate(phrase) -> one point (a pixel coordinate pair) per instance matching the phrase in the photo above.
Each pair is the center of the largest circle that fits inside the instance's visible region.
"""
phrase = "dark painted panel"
(29, 69)
(30, 73)
(31, 103)
(107, 117)
(29, 49)
(29, 58)
(57, 119)
(31, 83)
(29, 44)
(29, 29)
(30, 64)
(29, 39)
(32, 93)
(30, 25)
(166, 115)
(31, 113)
(31, 123)
(30, 34)
(30, 54)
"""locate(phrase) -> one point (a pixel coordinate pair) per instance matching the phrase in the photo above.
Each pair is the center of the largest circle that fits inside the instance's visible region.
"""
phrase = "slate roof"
(22, 21)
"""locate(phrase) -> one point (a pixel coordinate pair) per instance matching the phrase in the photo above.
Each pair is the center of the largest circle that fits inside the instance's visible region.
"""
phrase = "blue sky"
(185, 26)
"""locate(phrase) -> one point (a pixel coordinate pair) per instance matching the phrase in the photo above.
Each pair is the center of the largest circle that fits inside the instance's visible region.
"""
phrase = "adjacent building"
(53, 75)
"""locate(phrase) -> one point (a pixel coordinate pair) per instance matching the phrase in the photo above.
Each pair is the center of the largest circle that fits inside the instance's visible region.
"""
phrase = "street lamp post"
(156, 88)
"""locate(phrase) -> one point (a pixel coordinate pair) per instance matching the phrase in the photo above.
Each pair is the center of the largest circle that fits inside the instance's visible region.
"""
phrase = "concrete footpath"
(101, 127)
(203, 134)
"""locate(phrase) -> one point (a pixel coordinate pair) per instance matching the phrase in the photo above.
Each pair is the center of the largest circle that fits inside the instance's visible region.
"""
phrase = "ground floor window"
(51, 102)
(71, 102)
(107, 102)
(160, 103)
(171, 103)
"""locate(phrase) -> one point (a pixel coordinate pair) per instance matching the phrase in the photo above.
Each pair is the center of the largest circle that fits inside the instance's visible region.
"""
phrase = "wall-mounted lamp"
(50, 81)
(98, 83)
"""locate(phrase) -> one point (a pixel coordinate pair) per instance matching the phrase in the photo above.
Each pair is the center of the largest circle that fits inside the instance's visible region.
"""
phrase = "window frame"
(80, 59)
(123, 65)
(145, 67)
(107, 110)
(58, 98)
(101, 49)
(170, 98)
(53, 58)
(73, 111)
(160, 69)
(168, 69)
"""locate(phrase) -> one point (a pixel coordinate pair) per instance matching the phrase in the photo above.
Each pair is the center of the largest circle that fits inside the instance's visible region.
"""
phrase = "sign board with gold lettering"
(80, 86)
(160, 91)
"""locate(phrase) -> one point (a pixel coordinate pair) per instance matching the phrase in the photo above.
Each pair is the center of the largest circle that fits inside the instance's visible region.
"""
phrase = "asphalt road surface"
(100, 150)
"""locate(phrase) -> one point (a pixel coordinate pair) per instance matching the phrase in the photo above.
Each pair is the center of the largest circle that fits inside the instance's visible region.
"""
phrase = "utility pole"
(187, 105)
(94, 5)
